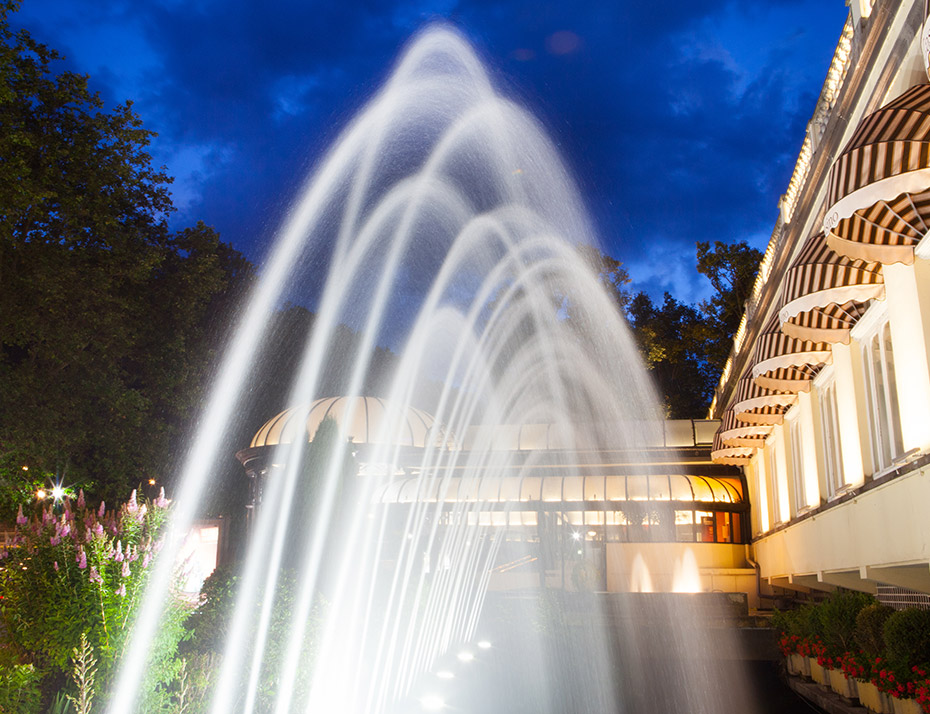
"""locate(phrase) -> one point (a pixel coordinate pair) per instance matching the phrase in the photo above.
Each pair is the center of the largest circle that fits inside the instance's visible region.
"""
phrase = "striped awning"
(734, 433)
(824, 293)
(879, 191)
(786, 364)
(756, 405)
(735, 443)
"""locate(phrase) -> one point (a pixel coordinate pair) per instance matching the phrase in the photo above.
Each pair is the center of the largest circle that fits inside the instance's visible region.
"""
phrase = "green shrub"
(20, 692)
(209, 626)
(838, 615)
(907, 637)
(869, 625)
(81, 570)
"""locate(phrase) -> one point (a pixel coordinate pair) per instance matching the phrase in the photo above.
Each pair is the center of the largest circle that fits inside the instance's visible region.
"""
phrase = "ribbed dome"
(373, 421)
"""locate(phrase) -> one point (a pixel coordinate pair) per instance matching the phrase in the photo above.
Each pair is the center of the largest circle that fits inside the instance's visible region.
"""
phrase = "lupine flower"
(81, 559)
(161, 501)
(98, 529)
(146, 559)
(125, 571)
(80, 499)
(87, 534)
(132, 505)
(101, 510)
(55, 564)
(94, 576)
(66, 530)
(119, 552)
(121, 590)
(54, 540)
(21, 520)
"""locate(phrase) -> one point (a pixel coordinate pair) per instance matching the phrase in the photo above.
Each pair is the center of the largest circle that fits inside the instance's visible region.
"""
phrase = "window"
(881, 397)
(797, 461)
(830, 429)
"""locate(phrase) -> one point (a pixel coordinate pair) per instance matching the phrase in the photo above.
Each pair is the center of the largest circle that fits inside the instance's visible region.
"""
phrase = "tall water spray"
(444, 221)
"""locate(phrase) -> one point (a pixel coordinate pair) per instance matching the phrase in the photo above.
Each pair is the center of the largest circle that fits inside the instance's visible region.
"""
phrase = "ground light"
(445, 674)
(466, 656)
(484, 644)
(432, 703)
(58, 492)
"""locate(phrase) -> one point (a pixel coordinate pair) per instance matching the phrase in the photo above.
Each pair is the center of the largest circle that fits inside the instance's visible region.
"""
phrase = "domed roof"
(373, 421)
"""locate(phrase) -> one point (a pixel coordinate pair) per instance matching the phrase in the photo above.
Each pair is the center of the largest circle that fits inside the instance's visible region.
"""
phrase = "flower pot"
(906, 706)
(799, 663)
(818, 674)
(846, 688)
(870, 697)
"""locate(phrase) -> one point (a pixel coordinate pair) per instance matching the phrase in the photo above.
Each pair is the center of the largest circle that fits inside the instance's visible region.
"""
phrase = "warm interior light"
(40, 494)
(576, 535)
(25, 468)
(151, 482)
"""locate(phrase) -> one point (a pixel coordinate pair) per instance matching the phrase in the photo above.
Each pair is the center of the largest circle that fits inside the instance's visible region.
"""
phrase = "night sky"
(681, 120)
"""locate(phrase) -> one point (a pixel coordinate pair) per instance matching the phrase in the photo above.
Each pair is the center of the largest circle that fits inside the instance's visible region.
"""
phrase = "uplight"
(466, 656)
(432, 703)
(445, 674)
(58, 493)
(484, 644)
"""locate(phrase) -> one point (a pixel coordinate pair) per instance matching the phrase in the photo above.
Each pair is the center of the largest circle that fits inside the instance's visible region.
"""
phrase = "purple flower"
(121, 591)
(132, 506)
(119, 552)
(54, 540)
(87, 534)
(146, 559)
(66, 530)
(98, 529)
(21, 520)
(94, 576)
(101, 510)
(125, 571)
(80, 499)
(81, 559)
(161, 501)
(47, 517)
(56, 566)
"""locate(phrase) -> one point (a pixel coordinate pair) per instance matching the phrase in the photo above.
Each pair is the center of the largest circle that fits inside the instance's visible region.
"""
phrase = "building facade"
(825, 401)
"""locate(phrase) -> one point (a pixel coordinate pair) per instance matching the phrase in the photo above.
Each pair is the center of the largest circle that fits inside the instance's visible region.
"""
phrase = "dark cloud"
(680, 120)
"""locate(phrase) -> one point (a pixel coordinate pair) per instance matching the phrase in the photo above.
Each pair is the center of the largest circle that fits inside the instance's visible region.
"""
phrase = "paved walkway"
(824, 697)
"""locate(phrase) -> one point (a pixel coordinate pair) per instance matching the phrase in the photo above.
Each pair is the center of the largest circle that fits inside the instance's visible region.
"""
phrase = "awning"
(756, 405)
(559, 490)
(824, 294)
(878, 201)
(786, 364)
(733, 433)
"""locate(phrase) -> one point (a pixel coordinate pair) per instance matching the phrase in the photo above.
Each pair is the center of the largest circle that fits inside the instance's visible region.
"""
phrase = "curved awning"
(557, 490)
(824, 293)
(878, 201)
(786, 364)
(733, 433)
(756, 405)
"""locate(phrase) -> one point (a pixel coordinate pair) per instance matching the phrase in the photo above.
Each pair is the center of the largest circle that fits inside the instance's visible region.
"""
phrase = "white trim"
(885, 189)
(922, 249)
(837, 295)
(792, 359)
(769, 400)
(825, 375)
(869, 323)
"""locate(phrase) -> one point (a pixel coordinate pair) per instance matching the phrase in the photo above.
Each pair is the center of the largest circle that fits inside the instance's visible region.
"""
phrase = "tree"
(672, 339)
(731, 270)
(105, 315)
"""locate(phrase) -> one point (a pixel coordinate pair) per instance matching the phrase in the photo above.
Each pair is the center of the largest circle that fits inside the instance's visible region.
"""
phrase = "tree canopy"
(107, 318)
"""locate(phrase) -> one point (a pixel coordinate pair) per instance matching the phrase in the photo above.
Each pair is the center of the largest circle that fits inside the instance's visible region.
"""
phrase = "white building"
(825, 400)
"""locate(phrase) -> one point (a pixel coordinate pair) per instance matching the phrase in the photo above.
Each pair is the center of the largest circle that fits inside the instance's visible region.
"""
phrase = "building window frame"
(832, 452)
(883, 415)
(796, 459)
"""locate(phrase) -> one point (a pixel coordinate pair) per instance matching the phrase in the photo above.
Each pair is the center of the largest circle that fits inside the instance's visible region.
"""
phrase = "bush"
(838, 616)
(19, 690)
(907, 638)
(82, 570)
(869, 624)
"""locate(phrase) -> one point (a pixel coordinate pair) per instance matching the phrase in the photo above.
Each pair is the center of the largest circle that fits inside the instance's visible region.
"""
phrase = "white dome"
(373, 421)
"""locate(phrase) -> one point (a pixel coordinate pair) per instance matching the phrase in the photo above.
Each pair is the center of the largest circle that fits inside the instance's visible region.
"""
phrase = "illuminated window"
(830, 429)
(797, 459)
(881, 397)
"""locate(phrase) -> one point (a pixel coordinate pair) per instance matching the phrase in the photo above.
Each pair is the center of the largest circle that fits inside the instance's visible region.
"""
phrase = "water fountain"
(449, 226)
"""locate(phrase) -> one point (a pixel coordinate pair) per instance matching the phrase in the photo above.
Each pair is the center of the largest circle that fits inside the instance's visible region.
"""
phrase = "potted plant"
(869, 636)
(907, 645)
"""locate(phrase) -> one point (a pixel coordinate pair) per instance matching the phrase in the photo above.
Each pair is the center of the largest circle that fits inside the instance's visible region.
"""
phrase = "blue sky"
(680, 120)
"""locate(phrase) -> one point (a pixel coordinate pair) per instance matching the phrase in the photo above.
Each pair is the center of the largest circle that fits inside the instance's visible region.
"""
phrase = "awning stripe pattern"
(785, 363)
(733, 433)
(824, 293)
(756, 405)
(878, 199)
